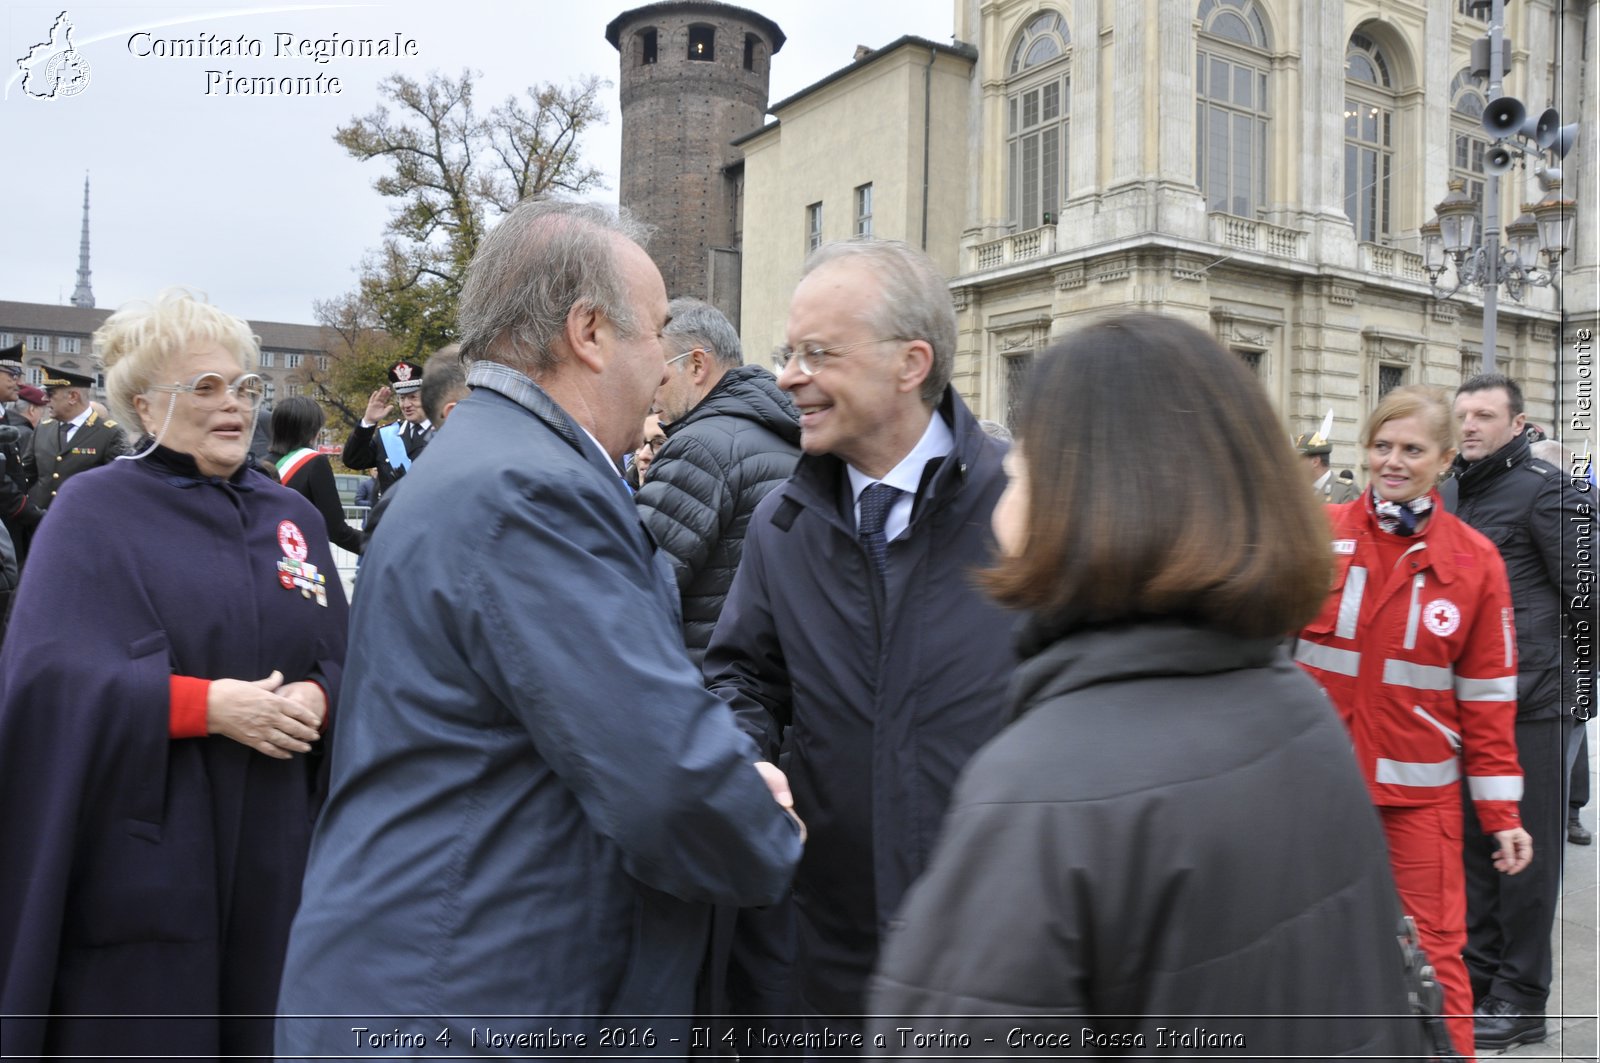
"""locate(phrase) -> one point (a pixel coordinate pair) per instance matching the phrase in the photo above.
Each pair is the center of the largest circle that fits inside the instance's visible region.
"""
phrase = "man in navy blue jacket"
(854, 640)
(530, 813)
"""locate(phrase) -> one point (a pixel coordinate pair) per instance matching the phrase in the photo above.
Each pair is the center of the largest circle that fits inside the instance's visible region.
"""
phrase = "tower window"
(702, 44)
(647, 47)
(749, 51)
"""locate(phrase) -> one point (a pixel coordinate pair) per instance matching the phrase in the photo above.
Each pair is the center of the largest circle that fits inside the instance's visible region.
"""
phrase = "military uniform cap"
(1311, 444)
(62, 378)
(32, 395)
(405, 377)
(11, 359)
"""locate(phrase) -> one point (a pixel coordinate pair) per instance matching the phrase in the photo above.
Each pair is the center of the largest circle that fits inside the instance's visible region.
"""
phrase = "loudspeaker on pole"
(1564, 138)
(1504, 116)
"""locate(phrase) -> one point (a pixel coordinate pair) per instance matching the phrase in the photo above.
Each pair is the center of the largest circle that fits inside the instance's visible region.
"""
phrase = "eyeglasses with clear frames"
(675, 360)
(209, 391)
(811, 359)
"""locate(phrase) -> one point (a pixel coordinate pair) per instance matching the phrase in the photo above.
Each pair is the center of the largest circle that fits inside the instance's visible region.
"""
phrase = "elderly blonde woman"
(172, 659)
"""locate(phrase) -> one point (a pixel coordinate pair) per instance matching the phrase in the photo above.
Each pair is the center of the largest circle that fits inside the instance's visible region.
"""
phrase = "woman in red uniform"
(1416, 647)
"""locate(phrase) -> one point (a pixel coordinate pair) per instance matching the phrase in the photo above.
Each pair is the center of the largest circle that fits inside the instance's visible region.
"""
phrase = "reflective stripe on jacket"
(1421, 662)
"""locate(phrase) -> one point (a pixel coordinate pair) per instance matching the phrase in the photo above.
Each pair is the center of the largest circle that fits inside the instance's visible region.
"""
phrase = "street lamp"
(1544, 228)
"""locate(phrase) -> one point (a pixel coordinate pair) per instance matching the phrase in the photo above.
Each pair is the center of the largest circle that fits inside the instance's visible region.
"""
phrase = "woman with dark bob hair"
(1169, 849)
(293, 429)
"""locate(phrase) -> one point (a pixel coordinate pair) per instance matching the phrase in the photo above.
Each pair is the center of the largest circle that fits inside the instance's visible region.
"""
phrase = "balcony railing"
(1251, 235)
(1018, 247)
(1227, 229)
(1392, 262)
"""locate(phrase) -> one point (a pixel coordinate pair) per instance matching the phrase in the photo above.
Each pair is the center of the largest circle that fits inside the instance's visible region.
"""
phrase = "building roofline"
(961, 50)
(690, 7)
(64, 318)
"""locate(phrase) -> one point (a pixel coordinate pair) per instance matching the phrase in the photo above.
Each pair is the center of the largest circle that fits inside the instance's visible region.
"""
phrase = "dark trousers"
(1510, 917)
(1578, 785)
(751, 969)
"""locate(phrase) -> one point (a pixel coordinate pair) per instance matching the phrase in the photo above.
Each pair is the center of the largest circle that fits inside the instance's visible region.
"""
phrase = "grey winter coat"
(1172, 837)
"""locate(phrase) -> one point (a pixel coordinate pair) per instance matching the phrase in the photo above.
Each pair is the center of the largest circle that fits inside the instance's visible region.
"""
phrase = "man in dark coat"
(533, 807)
(393, 447)
(18, 514)
(10, 389)
(1541, 522)
(75, 438)
(26, 413)
(732, 436)
(853, 638)
(17, 511)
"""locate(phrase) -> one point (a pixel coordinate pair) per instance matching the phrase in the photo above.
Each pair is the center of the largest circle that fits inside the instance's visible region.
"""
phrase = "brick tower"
(694, 77)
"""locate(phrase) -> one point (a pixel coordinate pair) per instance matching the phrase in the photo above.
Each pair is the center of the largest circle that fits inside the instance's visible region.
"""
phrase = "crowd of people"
(688, 707)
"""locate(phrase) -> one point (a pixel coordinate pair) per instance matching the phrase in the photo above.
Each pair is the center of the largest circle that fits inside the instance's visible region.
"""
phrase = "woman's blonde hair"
(1429, 405)
(137, 341)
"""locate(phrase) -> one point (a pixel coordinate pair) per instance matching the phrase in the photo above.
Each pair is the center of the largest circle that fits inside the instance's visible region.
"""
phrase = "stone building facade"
(878, 148)
(63, 337)
(1260, 168)
(694, 77)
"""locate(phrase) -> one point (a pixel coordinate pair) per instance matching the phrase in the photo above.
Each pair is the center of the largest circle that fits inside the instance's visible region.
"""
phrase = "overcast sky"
(248, 198)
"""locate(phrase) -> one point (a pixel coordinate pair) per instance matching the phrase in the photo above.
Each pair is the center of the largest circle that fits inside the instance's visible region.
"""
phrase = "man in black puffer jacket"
(1543, 526)
(732, 436)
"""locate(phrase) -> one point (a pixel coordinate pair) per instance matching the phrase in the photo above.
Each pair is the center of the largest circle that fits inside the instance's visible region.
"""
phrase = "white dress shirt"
(936, 442)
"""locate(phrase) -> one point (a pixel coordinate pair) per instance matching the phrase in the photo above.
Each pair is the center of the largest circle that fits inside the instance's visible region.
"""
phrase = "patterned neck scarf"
(1401, 518)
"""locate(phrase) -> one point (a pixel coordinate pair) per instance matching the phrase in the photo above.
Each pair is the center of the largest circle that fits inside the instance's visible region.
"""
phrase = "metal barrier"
(346, 562)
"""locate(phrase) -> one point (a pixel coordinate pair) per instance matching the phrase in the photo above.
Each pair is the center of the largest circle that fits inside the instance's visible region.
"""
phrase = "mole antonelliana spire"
(82, 295)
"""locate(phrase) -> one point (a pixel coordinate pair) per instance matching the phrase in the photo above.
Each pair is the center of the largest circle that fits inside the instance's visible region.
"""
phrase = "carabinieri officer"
(392, 448)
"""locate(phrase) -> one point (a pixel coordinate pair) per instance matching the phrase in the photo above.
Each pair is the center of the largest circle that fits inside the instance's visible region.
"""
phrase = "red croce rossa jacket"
(1421, 661)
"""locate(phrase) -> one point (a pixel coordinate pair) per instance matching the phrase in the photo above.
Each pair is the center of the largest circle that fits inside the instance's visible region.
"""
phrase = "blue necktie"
(875, 503)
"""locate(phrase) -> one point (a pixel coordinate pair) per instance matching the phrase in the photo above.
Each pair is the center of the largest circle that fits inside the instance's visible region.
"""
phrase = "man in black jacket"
(1534, 514)
(854, 639)
(732, 436)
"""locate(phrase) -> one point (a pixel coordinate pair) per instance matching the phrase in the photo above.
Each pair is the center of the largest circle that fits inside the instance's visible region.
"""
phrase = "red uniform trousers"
(1425, 853)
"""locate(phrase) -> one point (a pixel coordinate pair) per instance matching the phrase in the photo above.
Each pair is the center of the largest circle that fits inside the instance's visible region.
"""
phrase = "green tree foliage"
(451, 171)
(360, 354)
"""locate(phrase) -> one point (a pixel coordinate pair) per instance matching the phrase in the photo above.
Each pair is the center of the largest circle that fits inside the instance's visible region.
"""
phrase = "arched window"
(1038, 91)
(647, 47)
(1231, 112)
(702, 44)
(1467, 137)
(1369, 106)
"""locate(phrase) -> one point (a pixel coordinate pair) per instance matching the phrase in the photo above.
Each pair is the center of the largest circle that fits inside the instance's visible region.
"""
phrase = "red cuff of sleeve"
(187, 714)
(327, 703)
(1494, 816)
